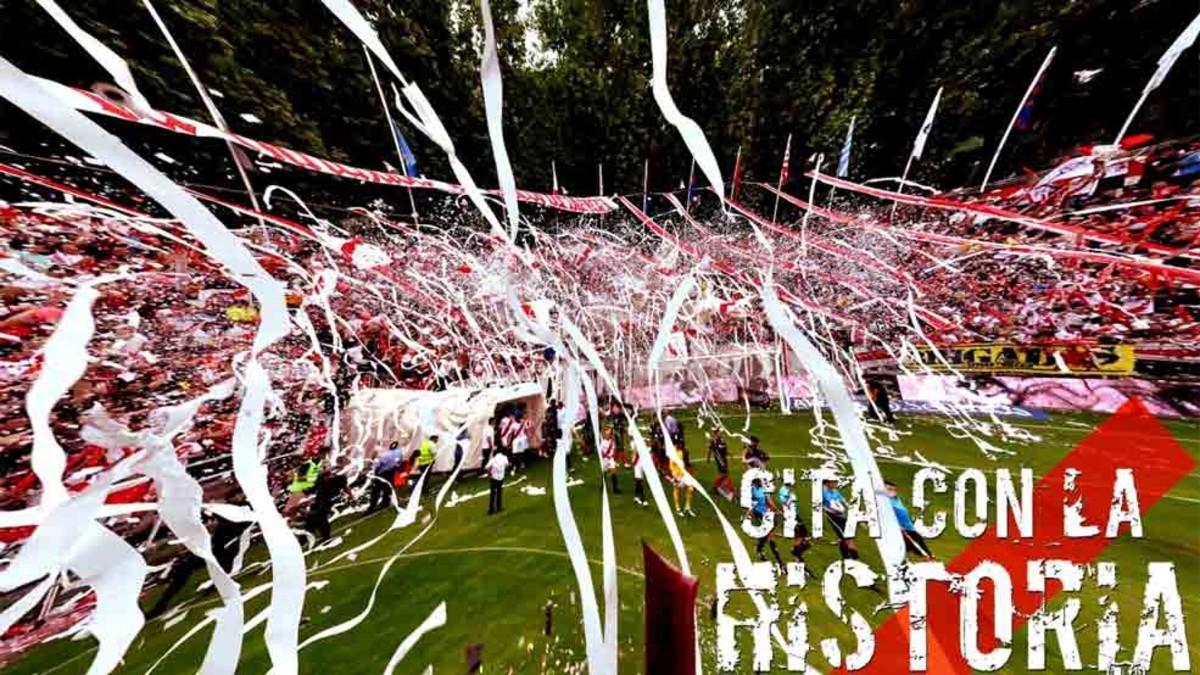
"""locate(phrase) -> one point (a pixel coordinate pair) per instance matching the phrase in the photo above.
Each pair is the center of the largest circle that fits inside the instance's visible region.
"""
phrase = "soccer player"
(913, 541)
(719, 453)
(834, 506)
(754, 455)
(760, 503)
(677, 476)
(608, 456)
(787, 502)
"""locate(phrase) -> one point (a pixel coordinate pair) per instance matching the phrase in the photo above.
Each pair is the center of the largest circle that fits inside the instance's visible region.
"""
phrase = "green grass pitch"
(497, 574)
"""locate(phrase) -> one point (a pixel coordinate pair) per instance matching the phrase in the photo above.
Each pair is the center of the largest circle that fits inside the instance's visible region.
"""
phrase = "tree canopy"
(577, 72)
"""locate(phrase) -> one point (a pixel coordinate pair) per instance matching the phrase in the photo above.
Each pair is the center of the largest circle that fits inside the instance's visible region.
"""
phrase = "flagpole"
(601, 192)
(392, 130)
(1016, 114)
(687, 206)
(787, 149)
(918, 146)
(737, 165)
(646, 186)
(900, 187)
(812, 193)
(235, 153)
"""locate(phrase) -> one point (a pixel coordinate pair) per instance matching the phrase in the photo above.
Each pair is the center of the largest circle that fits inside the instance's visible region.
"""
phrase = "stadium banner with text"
(1050, 359)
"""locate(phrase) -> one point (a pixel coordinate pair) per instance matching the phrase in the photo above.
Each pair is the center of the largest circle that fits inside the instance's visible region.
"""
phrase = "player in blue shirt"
(760, 503)
(800, 537)
(834, 506)
(913, 541)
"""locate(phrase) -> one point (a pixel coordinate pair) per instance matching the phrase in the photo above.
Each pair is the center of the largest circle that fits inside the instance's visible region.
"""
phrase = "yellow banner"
(1033, 359)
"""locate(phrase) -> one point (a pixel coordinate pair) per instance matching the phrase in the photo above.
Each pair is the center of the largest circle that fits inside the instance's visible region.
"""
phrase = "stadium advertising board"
(1032, 359)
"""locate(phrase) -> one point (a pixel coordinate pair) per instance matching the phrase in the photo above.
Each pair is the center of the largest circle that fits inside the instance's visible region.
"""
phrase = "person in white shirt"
(608, 457)
(489, 440)
(495, 469)
(517, 440)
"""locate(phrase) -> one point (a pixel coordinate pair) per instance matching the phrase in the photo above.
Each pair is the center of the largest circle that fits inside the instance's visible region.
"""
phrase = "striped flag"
(843, 167)
(787, 159)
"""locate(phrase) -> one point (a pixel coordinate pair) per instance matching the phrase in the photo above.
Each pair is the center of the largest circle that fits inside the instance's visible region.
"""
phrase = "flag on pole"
(646, 187)
(1186, 39)
(1025, 112)
(406, 153)
(554, 178)
(923, 134)
(787, 159)
(1021, 118)
(783, 176)
(843, 167)
(691, 187)
(736, 184)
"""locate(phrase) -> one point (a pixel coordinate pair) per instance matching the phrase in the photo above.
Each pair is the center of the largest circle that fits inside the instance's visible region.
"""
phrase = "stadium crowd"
(169, 324)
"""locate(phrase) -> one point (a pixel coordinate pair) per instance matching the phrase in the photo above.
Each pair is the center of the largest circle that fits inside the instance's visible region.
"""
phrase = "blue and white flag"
(406, 153)
(843, 168)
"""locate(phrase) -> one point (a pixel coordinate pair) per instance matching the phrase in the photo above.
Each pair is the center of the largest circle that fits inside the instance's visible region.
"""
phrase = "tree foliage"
(576, 78)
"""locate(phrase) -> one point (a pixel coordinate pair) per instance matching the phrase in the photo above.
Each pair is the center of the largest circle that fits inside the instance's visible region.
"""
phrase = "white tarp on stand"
(376, 417)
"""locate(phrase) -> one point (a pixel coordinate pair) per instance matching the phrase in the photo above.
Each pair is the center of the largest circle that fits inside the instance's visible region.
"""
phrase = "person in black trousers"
(495, 469)
(879, 396)
(331, 483)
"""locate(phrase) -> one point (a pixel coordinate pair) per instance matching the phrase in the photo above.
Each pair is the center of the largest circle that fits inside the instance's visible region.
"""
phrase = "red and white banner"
(87, 101)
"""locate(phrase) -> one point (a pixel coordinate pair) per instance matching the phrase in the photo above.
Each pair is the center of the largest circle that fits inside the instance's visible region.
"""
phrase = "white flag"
(1186, 39)
(919, 144)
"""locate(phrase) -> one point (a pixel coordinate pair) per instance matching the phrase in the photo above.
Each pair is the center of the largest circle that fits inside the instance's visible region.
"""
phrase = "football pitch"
(509, 587)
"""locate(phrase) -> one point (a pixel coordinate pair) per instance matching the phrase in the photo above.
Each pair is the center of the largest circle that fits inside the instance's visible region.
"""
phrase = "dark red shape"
(670, 614)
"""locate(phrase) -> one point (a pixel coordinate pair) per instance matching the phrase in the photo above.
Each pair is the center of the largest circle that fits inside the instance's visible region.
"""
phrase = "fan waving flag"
(406, 153)
(843, 167)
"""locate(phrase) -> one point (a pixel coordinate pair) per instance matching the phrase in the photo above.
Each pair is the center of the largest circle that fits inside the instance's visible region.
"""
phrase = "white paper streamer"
(223, 246)
(693, 135)
(493, 102)
(104, 56)
(850, 426)
(423, 116)
(435, 620)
